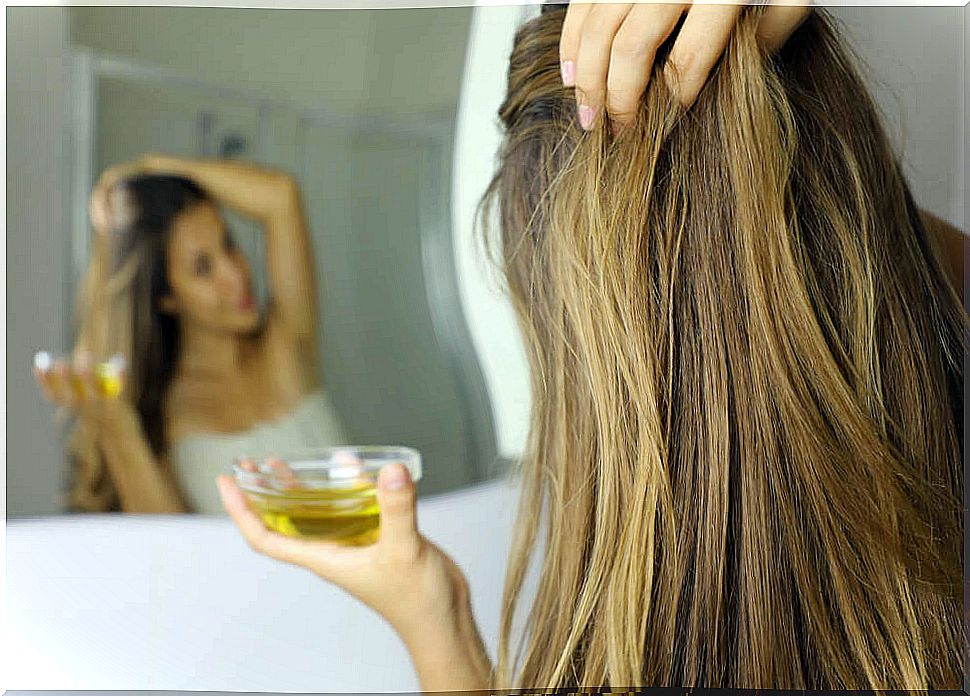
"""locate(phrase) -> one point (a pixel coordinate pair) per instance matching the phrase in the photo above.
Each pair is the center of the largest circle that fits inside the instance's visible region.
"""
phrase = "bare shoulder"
(940, 226)
(951, 243)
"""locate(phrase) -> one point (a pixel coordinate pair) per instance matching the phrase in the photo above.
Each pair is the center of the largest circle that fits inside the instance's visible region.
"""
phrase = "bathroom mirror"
(361, 107)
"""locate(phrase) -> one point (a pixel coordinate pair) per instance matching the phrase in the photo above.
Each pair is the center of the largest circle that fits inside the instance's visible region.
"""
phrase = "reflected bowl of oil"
(327, 493)
(108, 374)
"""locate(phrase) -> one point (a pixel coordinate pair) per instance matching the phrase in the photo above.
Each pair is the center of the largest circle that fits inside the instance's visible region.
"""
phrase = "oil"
(107, 377)
(348, 515)
(107, 381)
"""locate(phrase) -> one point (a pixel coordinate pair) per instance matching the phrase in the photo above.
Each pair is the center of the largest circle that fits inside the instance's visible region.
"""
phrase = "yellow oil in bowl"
(348, 515)
(327, 493)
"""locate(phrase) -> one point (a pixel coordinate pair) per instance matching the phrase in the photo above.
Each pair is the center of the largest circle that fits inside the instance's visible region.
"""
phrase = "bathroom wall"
(350, 60)
(37, 256)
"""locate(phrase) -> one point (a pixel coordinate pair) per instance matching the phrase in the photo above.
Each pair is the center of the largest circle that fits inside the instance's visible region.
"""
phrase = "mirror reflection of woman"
(210, 376)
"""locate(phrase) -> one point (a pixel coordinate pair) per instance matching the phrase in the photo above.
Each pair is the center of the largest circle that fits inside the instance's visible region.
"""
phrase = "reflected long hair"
(744, 460)
(120, 314)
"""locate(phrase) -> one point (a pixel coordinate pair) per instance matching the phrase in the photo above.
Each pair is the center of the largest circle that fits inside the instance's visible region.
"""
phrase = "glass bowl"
(323, 493)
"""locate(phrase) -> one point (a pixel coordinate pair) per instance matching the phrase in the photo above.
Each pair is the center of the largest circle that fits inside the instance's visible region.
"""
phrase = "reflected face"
(208, 275)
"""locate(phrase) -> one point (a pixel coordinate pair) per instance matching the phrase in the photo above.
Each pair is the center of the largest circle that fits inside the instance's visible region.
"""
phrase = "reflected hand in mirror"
(409, 581)
(90, 391)
(168, 287)
(282, 473)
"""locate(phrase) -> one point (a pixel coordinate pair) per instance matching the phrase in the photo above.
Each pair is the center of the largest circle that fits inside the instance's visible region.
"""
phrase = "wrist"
(158, 163)
(449, 656)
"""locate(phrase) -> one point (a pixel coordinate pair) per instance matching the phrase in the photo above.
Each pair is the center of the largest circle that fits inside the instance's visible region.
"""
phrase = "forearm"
(142, 484)
(259, 193)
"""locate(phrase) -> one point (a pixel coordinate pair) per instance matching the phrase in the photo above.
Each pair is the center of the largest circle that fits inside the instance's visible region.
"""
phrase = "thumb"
(396, 497)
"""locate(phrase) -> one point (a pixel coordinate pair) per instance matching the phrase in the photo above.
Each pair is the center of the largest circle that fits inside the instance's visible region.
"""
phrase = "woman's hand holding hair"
(103, 206)
(404, 577)
(607, 50)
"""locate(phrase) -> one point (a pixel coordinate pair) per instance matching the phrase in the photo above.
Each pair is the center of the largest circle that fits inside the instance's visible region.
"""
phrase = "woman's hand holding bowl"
(404, 577)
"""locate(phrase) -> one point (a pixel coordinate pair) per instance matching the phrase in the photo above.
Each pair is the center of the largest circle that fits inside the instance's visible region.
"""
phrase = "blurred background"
(371, 110)
(360, 105)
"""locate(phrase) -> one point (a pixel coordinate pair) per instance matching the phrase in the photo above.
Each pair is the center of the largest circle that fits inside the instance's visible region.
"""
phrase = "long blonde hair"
(745, 447)
(119, 313)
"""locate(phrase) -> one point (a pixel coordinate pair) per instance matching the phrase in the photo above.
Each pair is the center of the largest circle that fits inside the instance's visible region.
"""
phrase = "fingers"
(60, 379)
(396, 497)
(645, 28)
(42, 378)
(63, 384)
(607, 50)
(83, 381)
(699, 44)
(599, 27)
(259, 538)
(249, 465)
(569, 41)
(43, 362)
(284, 474)
(780, 21)
(99, 210)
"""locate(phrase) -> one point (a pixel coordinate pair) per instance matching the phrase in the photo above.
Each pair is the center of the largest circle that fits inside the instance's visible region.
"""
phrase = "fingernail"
(393, 477)
(568, 70)
(586, 116)
(670, 78)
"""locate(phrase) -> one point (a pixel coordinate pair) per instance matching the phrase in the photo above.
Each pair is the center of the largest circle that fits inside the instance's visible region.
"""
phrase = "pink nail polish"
(586, 116)
(568, 70)
(393, 477)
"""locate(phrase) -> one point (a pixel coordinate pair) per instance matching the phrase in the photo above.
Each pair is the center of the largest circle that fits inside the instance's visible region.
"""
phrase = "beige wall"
(354, 61)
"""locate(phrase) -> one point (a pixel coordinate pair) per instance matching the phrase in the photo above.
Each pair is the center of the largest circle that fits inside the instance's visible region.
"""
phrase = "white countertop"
(181, 602)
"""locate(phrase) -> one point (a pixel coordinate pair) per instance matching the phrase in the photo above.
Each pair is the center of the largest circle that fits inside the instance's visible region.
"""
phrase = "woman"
(747, 380)
(210, 378)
